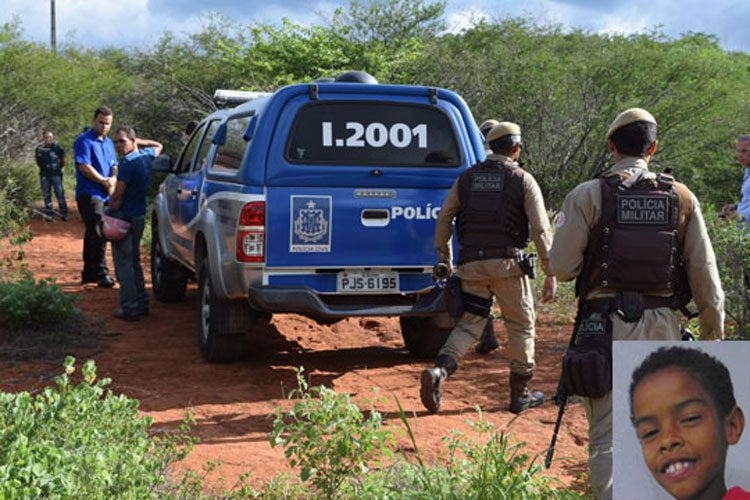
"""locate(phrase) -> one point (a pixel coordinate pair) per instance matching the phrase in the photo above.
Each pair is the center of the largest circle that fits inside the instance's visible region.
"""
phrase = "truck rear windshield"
(372, 133)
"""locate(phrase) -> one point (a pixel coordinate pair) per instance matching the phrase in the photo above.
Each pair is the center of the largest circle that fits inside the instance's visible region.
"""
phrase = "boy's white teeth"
(676, 467)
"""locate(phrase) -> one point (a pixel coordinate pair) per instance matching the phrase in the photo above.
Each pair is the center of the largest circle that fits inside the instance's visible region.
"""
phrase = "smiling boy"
(685, 416)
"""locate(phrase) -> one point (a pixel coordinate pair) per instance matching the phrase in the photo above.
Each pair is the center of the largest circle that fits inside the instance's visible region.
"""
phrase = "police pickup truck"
(318, 199)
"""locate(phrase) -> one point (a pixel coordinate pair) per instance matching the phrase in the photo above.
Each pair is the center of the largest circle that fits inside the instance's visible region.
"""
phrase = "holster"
(527, 263)
(454, 301)
(629, 306)
(477, 305)
(458, 302)
(587, 365)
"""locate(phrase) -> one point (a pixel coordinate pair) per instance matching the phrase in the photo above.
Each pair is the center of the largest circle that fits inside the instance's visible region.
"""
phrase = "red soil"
(156, 360)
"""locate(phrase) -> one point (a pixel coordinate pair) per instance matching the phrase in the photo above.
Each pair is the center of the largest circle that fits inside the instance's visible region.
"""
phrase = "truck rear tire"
(168, 278)
(222, 323)
(423, 336)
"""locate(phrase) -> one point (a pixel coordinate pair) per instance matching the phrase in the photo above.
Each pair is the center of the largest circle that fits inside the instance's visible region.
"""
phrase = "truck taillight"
(251, 232)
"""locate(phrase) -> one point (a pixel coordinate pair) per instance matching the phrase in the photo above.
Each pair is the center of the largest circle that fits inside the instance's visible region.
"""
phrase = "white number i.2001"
(376, 135)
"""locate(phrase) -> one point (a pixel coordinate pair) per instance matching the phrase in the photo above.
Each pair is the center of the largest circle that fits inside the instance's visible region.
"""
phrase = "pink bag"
(114, 229)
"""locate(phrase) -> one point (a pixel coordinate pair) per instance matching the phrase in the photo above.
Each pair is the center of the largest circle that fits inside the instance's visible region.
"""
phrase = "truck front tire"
(168, 278)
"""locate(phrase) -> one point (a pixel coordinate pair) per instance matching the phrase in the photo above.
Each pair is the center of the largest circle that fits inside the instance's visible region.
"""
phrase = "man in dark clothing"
(50, 157)
(96, 174)
(129, 199)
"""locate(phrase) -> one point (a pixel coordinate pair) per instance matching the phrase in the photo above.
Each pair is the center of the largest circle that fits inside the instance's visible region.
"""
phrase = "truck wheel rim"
(157, 264)
(205, 313)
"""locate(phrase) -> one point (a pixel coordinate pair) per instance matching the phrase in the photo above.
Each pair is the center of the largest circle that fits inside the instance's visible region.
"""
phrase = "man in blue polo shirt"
(129, 199)
(96, 174)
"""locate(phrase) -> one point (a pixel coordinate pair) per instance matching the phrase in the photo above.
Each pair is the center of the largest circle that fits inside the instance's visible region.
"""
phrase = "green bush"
(489, 467)
(329, 438)
(78, 442)
(13, 227)
(731, 244)
(28, 303)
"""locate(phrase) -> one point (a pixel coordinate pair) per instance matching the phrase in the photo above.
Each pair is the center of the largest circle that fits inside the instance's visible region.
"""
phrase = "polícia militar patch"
(643, 209)
(481, 181)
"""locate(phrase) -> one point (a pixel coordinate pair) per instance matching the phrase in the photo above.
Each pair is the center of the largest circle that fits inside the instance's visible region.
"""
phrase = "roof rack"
(225, 97)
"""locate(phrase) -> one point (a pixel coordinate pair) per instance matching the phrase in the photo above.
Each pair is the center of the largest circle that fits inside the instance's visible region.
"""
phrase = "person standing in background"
(741, 211)
(50, 158)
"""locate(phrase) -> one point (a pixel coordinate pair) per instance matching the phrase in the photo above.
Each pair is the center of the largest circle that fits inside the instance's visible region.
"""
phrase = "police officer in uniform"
(485, 128)
(637, 244)
(498, 207)
(488, 341)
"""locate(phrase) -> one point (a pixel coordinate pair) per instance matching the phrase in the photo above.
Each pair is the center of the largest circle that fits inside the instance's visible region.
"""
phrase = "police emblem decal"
(560, 220)
(310, 224)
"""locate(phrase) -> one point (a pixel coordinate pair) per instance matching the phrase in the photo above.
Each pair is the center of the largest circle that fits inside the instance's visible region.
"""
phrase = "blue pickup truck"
(318, 199)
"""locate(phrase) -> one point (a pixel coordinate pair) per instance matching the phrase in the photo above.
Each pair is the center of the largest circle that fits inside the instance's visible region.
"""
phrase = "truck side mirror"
(162, 163)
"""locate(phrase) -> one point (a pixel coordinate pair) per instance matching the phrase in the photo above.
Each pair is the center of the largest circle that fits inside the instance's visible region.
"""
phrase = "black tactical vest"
(492, 221)
(635, 246)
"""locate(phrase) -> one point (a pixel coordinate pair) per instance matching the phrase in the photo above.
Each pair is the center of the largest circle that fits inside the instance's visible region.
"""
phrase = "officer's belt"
(607, 305)
(469, 254)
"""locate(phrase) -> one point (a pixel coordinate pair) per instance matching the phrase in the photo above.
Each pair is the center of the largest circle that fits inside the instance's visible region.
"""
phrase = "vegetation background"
(563, 85)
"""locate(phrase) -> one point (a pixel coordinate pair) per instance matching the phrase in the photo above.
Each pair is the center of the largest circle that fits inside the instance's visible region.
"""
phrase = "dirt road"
(156, 360)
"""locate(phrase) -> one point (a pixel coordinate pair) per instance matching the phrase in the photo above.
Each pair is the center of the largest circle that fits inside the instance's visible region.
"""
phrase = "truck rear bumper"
(303, 300)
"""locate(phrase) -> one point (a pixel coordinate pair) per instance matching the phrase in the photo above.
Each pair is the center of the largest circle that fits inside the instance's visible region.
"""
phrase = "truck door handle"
(194, 192)
(375, 217)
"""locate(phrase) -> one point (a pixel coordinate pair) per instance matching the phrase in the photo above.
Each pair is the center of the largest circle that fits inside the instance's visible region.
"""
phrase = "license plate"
(367, 281)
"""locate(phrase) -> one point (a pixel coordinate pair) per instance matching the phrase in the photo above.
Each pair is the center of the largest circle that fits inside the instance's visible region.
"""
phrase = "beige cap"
(487, 125)
(629, 116)
(502, 129)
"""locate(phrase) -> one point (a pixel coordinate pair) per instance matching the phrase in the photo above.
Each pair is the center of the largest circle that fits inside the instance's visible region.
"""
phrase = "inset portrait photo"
(681, 412)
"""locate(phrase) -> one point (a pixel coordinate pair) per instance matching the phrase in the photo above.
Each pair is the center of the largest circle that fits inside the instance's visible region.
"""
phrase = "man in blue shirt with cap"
(96, 175)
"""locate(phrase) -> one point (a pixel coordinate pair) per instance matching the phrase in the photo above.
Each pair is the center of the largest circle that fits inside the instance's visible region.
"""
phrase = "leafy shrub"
(731, 244)
(20, 182)
(78, 442)
(12, 227)
(488, 467)
(33, 304)
(332, 442)
(328, 437)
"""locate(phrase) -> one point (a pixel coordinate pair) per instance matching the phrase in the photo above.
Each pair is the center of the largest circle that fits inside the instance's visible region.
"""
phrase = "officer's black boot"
(488, 341)
(520, 397)
(433, 379)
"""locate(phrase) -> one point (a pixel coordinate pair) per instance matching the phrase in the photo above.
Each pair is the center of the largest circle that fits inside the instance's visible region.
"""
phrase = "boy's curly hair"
(710, 373)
